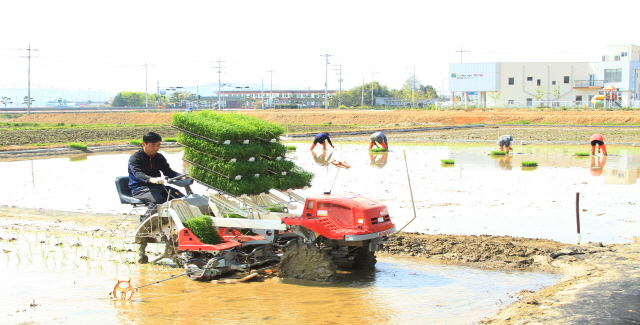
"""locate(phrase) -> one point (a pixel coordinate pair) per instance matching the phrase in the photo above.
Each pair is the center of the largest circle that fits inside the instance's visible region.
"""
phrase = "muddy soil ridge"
(363, 117)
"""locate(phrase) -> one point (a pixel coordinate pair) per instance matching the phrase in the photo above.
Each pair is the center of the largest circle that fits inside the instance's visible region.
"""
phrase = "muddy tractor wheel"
(364, 259)
(307, 262)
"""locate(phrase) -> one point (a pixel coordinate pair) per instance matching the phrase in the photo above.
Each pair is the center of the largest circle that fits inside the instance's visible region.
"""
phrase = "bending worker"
(145, 180)
(505, 143)
(378, 137)
(321, 138)
(597, 139)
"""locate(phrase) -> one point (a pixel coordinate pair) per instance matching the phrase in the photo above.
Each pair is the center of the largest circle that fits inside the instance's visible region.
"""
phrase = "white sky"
(104, 45)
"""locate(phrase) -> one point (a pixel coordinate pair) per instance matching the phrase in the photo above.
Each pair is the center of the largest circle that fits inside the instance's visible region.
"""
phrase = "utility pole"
(362, 98)
(219, 85)
(29, 77)
(461, 51)
(271, 91)
(146, 83)
(413, 87)
(373, 104)
(262, 94)
(326, 80)
(340, 81)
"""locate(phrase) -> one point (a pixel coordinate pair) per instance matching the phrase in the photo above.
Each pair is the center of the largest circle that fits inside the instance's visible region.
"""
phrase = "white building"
(548, 84)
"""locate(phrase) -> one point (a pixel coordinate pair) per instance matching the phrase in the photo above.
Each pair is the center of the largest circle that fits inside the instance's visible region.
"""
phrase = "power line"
(29, 49)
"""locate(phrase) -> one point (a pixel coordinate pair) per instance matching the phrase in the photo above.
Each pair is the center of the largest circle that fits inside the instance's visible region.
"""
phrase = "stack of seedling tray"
(237, 154)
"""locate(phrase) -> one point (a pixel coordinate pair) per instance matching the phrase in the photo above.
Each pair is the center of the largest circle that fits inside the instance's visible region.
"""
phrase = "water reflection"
(597, 165)
(378, 160)
(322, 159)
(505, 163)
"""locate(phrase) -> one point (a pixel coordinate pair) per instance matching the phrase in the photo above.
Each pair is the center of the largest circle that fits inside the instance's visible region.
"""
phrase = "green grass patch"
(203, 228)
(136, 142)
(518, 122)
(529, 164)
(170, 140)
(498, 153)
(582, 154)
(46, 126)
(447, 161)
(78, 146)
(378, 149)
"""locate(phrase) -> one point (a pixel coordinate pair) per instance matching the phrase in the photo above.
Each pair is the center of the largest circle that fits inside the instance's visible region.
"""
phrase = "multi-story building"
(550, 84)
(251, 98)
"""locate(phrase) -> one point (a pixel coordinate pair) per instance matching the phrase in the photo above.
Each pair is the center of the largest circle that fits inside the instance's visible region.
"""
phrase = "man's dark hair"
(151, 137)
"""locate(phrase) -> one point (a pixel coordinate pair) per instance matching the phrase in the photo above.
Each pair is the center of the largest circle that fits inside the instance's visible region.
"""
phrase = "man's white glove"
(156, 180)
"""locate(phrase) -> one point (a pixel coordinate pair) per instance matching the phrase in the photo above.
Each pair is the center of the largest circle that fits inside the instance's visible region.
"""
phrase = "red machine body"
(344, 217)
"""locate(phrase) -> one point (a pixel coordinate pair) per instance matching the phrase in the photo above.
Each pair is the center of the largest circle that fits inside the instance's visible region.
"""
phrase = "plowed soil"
(346, 117)
(563, 126)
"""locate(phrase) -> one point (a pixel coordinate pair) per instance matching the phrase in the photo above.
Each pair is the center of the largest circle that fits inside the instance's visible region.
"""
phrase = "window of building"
(553, 82)
(529, 78)
(566, 79)
(623, 54)
(612, 75)
(578, 98)
(510, 101)
(512, 81)
(539, 82)
(616, 58)
(529, 101)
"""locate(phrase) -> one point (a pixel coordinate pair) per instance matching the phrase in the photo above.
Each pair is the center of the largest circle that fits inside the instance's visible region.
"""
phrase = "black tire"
(364, 259)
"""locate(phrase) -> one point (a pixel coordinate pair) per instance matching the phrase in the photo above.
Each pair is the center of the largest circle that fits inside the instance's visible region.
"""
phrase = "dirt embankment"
(348, 117)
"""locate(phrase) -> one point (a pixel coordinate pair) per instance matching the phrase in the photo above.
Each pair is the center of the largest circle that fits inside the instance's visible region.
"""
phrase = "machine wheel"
(307, 262)
(364, 259)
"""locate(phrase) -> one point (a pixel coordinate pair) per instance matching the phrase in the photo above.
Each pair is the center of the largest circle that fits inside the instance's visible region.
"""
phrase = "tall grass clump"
(136, 142)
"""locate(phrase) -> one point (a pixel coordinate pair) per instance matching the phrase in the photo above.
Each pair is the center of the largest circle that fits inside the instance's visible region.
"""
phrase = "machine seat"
(124, 192)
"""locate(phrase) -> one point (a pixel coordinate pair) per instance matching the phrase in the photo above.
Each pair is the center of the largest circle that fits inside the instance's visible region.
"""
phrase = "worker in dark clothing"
(145, 178)
(321, 138)
(378, 137)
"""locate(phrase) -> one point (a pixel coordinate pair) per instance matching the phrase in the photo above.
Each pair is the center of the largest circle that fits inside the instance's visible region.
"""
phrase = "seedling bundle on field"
(236, 153)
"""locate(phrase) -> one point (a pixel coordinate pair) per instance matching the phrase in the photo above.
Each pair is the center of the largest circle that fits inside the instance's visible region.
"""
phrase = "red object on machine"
(343, 217)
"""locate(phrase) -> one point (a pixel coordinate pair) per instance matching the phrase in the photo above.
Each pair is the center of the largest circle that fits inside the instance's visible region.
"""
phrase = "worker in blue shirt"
(321, 138)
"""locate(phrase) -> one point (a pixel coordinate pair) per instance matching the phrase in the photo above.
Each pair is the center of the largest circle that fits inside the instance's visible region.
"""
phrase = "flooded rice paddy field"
(480, 194)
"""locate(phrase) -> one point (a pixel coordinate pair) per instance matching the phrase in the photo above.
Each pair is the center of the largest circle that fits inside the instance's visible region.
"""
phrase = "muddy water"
(69, 278)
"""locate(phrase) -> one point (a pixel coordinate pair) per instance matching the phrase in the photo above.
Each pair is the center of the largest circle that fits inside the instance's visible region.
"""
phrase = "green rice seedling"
(223, 151)
(246, 185)
(274, 149)
(170, 140)
(136, 142)
(204, 229)
(447, 161)
(498, 153)
(263, 129)
(229, 169)
(292, 148)
(78, 146)
(378, 149)
(297, 178)
(280, 166)
(582, 154)
(529, 164)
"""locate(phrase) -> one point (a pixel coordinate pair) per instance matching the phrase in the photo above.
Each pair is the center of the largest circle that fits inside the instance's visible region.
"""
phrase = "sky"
(140, 45)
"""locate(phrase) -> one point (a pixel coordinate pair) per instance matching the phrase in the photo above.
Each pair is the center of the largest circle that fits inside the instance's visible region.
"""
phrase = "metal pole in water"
(411, 192)
(579, 239)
